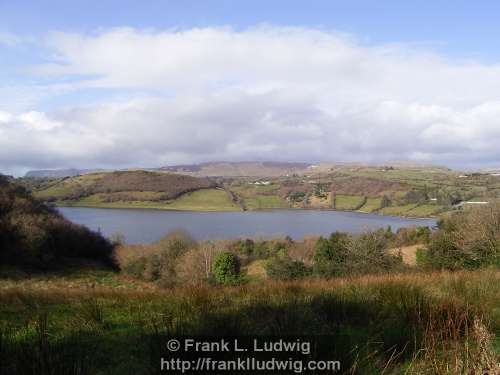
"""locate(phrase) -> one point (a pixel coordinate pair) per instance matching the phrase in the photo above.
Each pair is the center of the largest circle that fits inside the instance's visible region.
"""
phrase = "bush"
(466, 240)
(226, 268)
(344, 254)
(286, 269)
(158, 261)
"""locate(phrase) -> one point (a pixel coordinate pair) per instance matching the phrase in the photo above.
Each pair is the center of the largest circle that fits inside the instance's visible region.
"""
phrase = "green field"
(203, 200)
(398, 210)
(371, 205)
(255, 197)
(426, 210)
(347, 202)
(264, 202)
(200, 200)
(414, 210)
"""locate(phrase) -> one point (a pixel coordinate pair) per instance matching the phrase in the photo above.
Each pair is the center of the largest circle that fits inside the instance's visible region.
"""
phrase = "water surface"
(147, 225)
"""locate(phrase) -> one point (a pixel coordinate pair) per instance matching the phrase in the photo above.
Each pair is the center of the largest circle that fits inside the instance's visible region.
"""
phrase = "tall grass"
(424, 323)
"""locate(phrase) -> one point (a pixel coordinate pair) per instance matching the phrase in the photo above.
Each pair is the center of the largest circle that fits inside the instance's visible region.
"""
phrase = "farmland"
(402, 191)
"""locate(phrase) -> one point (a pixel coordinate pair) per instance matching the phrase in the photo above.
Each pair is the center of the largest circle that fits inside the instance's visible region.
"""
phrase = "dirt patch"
(409, 253)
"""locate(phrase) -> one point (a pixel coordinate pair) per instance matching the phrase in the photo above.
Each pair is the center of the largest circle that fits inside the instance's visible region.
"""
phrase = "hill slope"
(139, 189)
(35, 235)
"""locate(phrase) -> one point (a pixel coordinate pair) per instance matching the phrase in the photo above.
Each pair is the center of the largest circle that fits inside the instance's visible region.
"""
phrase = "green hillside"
(417, 192)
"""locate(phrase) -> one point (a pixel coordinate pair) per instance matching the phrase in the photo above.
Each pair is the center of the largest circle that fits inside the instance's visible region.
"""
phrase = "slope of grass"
(257, 197)
(371, 205)
(169, 185)
(347, 202)
(398, 210)
(204, 200)
(264, 202)
(426, 210)
(200, 200)
(255, 271)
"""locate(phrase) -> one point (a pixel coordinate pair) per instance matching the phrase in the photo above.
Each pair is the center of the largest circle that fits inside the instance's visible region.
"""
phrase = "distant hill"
(122, 185)
(239, 169)
(58, 173)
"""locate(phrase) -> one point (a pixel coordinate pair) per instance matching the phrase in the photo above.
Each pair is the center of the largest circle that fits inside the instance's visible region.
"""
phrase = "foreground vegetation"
(438, 323)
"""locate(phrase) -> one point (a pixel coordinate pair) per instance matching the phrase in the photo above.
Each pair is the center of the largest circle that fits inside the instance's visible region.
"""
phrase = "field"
(398, 210)
(372, 204)
(254, 197)
(203, 200)
(200, 200)
(347, 202)
(404, 323)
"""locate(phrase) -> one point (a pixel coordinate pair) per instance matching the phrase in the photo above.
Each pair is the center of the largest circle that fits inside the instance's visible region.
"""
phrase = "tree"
(330, 254)
(226, 268)
(196, 265)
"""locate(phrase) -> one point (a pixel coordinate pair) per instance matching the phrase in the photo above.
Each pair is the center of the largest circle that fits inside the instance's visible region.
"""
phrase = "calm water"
(143, 226)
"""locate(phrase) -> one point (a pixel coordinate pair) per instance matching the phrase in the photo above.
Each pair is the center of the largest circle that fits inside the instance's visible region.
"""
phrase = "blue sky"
(119, 82)
(466, 29)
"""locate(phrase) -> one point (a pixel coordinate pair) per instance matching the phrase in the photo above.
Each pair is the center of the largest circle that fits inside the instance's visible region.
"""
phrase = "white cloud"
(264, 93)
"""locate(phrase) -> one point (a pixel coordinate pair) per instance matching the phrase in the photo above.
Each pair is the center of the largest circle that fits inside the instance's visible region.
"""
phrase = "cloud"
(267, 93)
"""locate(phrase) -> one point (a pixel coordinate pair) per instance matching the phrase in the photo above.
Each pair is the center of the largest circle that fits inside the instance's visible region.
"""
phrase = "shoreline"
(253, 210)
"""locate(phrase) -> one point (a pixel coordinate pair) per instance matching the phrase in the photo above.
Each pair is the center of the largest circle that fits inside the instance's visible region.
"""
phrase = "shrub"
(245, 247)
(176, 243)
(411, 236)
(344, 254)
(286, 269)
(158, 261)
(466, 240)
(226, 268)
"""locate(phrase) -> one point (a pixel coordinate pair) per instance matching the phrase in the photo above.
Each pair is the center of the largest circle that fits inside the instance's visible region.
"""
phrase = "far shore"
(166, 208)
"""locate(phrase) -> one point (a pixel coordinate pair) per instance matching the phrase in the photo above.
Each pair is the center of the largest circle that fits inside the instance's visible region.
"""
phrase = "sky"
(117, 84)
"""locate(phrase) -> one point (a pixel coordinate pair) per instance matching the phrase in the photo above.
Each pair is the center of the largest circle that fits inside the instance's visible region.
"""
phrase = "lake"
(147, 225)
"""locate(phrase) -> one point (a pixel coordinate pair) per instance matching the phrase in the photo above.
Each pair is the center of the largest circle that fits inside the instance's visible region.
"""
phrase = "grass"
(426, 210)
(255, 271)
(347, 202)
(371, 204)
(249, 190)
(398, 210)
(264, 201)
(66, 186)
(96, 200)
(200, 200)
(54, 191)
(257, 197)
(414, 210)
(204, 200)
(402, 323)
